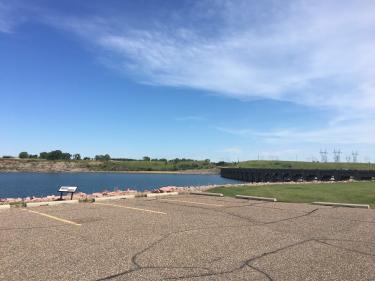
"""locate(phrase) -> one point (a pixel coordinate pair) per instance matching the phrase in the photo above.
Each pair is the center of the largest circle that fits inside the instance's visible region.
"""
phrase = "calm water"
(42, 184)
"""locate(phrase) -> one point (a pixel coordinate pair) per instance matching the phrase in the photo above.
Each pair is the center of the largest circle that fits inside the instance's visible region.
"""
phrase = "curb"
(4, 207)
(161, 194)
(256, 198)
(51, 203)
(363, 206)
(98, 199)
(207, 194)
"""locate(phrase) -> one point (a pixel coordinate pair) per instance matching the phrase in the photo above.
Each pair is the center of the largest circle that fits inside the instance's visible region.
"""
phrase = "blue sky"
(224, 80)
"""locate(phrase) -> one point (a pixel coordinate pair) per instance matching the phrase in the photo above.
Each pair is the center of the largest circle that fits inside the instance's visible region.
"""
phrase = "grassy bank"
(355, 192)
(41, 165)
(303, 165)
(139, 165)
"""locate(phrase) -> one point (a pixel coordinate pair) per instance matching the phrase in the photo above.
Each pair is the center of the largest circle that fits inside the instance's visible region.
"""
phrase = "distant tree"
(86, 158)
(221, 163)
(55, 155)
(23, 155)
(77, 156)
(33, 156)
(43, 155)
(66, 156)
(175, 161)
(7, 157)
(146, 158)
(123, 159)
(102, 157)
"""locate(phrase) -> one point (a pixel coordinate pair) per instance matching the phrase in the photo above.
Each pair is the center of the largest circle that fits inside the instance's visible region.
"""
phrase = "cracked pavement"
(190, 238)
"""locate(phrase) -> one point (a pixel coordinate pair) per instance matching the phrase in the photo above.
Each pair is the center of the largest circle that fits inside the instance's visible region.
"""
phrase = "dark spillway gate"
(283, 175)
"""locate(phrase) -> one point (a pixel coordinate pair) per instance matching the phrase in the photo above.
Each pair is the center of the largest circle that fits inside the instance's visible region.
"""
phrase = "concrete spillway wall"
(284, 175)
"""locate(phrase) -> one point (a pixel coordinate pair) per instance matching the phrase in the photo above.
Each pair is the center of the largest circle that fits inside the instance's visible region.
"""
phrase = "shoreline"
(112, 166)
(166, 189)
(108, 194)
(179, 172)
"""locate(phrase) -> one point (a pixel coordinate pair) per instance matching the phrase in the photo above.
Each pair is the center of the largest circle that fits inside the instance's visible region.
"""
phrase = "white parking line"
(131, 208)
(53, 217)
(192, 202)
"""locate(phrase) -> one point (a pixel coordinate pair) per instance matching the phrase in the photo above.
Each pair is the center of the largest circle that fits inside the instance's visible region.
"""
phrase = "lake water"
(43, 184)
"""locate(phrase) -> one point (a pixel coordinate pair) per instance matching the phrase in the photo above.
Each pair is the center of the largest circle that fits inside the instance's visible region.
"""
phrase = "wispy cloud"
(14, 13)
(319, 54)
(347, 132)
(6, 20)
(315, 53)
(191, 118)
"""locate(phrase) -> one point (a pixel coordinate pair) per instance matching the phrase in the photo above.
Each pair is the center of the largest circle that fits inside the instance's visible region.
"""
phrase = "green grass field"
(303, 165)
(140, 165)
(355, 192)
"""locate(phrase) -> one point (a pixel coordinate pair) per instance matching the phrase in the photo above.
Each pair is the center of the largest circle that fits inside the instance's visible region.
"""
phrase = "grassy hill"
(303, 165)
(41, 165)
(139, 165)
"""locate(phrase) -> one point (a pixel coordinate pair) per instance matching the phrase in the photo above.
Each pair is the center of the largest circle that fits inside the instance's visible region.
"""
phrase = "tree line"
(52, 155)
(57, 155)
(60, 155)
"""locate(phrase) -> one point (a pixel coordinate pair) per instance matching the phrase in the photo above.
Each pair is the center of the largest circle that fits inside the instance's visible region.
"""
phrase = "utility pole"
(323, 156)
(355, 156)
(336, 155)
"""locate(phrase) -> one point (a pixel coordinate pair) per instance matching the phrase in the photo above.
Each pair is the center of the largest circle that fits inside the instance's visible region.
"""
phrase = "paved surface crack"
(138, 266)
(323, 241)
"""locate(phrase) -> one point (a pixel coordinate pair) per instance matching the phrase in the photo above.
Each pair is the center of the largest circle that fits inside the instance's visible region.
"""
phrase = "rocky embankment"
(47, 166)
(37, 165)
(82, 195)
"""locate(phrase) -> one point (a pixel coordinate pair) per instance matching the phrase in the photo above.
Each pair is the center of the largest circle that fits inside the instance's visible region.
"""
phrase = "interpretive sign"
(67, 189)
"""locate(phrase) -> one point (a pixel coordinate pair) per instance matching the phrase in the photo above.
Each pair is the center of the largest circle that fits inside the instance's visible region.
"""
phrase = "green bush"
(19, 204)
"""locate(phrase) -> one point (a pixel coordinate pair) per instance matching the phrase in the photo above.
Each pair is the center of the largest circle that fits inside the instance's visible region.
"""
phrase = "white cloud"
(6, 20)
(346, 132)
(315, 53)
(13, 13)
(320, 53)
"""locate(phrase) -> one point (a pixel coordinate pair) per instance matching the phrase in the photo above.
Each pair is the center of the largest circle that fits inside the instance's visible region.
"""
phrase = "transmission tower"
(348, 159)
(336, 155)
(355, 156)
(323, 156)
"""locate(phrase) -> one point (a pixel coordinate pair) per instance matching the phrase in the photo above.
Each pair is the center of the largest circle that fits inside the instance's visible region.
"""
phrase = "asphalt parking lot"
(187, 237)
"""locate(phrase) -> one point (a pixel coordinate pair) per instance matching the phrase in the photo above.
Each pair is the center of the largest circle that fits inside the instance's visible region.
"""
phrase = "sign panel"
(68, 189)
